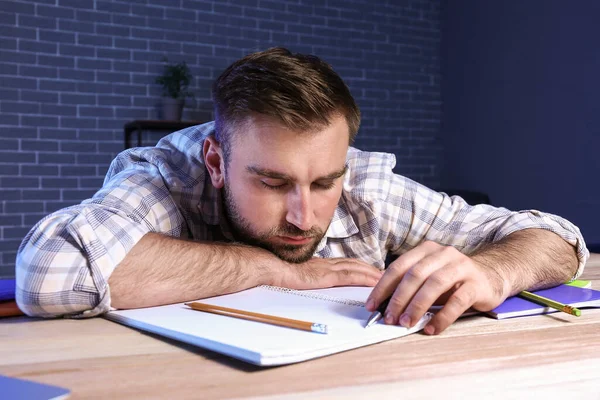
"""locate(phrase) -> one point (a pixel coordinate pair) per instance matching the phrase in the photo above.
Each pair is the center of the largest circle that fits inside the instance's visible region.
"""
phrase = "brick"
(198, 5)
(48, 183)
(128, 66)
(37, 47)
(9, 170)
(113, 7)
(94, 40)
(14, 182)
(93, 17)
(39, 145)
(76, 74)
(32, 218)
(113, 30)
(56, 158)
(36, 22)
(8, 18)
(11, 220)
(9, 245)
(8, 44)
(59, 134)
(41, 194)
(105, 100)
(159, 45)
(19, 107)
(147, 11)
(9, 94)
(55, 12)
(76, 50)
(53, 109)
(130, 90)
(137, 44)
(19, 32)
(20, 157)
(92, 183)
(23, 207)
(75, 26)
(57, 86)
(39, 120)
(77, 171)
(184, 37)
(12, 194)
(114, 54)
(127, 20)
(93, 63)
(9, 119)
(153, 34)
(96, 88)
(8, 144)
(185, 14)
(8, 69)
(78, 147)
(106, 112)
(102, 76)
(39, 170)
(79, 123)
(85, 4)
(56, 61)
(38, 72)
(17, 57)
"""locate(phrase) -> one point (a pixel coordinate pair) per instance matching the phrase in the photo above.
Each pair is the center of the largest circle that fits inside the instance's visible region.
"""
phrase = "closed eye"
(324, 185)
(272, 186)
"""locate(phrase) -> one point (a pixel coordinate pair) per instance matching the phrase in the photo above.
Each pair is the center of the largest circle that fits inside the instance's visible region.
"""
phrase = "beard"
(243, 231)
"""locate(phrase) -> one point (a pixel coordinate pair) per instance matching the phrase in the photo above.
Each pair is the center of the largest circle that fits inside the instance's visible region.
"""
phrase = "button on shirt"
(65, 261)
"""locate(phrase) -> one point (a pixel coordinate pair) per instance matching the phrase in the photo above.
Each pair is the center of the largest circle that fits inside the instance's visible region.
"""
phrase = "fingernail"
(405, 321)
(370, 305)
(389, 318)
(429, 329)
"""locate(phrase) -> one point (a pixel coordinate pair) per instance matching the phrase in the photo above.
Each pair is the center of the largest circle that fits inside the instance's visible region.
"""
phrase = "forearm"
(162, 270)
(529, 259)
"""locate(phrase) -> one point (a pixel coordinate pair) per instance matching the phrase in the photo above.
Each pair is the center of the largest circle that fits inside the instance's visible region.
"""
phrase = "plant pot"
(172, 108)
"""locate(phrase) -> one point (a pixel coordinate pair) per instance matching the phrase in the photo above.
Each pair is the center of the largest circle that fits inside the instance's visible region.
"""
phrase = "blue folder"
(7, 289)
(20, 389)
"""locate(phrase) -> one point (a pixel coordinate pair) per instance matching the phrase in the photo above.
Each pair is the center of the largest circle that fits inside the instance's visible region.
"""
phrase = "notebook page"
(238, 337)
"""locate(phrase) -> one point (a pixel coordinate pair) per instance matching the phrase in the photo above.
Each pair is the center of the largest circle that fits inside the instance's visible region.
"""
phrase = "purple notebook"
(7, 289)
(570, 295)
(17, 389)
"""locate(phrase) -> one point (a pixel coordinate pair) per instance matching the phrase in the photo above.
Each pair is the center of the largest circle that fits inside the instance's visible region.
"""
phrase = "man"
(272, 194)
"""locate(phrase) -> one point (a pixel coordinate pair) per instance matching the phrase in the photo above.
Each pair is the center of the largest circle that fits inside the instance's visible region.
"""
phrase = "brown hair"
(301, 91)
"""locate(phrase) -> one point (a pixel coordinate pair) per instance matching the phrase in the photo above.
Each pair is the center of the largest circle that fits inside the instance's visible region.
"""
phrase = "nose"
(300, 212)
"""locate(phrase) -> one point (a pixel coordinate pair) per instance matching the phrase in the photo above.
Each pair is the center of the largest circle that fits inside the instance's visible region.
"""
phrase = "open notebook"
(341, 309)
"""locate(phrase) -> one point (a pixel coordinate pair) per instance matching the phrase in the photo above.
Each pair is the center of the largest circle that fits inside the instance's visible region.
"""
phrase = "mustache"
(292, 230)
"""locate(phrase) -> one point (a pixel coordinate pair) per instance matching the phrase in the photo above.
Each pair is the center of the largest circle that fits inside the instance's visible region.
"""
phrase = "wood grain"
(555, 354)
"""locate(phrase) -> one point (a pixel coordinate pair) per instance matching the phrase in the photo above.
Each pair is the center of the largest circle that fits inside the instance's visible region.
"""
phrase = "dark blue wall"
(72, 72)
(521, 105)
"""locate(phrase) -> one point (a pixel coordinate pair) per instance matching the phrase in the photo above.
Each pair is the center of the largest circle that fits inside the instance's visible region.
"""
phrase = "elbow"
(51, 276)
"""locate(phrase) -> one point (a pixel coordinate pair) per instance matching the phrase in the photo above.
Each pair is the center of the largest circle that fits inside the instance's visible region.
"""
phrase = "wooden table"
(556, 356)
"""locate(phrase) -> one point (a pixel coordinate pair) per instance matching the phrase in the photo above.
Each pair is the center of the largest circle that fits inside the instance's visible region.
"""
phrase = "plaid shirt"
(65, 261)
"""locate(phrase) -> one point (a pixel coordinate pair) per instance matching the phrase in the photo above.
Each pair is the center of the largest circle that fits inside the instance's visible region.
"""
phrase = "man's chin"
(294, 254)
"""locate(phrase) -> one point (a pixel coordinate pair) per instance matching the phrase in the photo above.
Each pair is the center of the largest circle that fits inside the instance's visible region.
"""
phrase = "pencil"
(550, 303)
(256, 317)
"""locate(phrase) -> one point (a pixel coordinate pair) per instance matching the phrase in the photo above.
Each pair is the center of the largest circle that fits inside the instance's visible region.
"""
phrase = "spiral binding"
(316, 296)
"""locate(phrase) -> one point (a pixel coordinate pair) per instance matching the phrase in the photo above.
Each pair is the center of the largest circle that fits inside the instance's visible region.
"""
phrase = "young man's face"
(281, 187)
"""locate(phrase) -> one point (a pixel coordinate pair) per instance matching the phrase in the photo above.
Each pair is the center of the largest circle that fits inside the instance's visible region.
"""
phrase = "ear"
(214, 161)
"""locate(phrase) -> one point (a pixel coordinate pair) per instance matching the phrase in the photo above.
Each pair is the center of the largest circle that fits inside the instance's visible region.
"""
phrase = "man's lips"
(294, 239)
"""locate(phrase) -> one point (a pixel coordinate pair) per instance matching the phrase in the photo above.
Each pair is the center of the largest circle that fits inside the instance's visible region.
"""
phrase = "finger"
(394, 273)
(438, 283)
(358, 266)
(456, 305)
(408, 290)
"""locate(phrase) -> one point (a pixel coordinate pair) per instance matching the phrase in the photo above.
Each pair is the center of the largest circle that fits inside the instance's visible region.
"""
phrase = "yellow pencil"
(257, 317)
(550, 303)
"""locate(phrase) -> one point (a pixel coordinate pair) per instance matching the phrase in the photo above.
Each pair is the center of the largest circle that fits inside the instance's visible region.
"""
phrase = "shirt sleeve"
(418, 213)
(64, 263)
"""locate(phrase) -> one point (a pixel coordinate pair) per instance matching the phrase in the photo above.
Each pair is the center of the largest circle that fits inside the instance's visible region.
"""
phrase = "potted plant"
(175, 81)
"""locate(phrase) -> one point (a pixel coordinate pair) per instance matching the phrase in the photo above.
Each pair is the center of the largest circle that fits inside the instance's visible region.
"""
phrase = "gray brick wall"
(72, 72)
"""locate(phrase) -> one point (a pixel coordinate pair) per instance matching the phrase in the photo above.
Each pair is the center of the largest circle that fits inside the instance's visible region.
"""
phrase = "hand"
(327, 272)
(430, 272)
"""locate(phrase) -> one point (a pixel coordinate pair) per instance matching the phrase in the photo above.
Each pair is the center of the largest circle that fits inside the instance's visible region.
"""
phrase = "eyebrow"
(269, 173)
